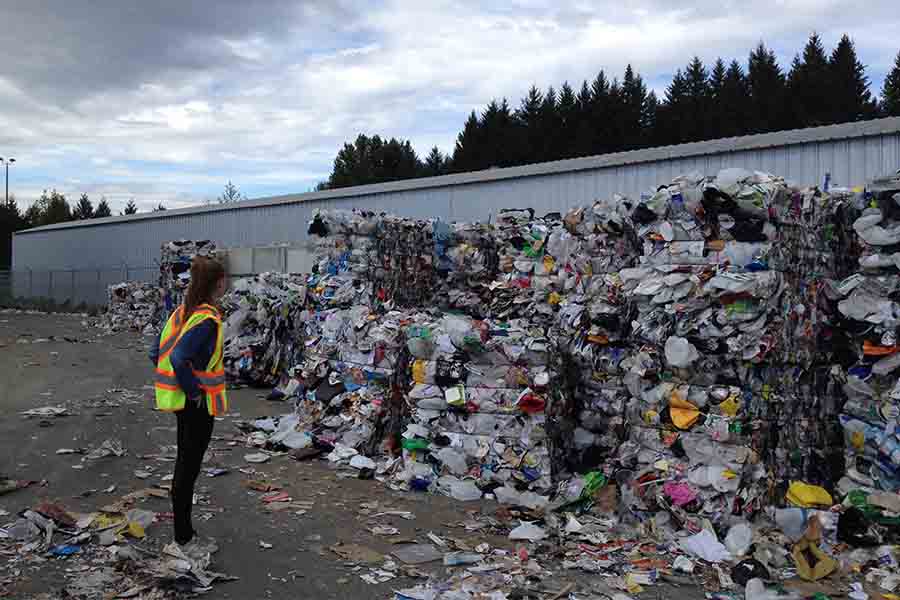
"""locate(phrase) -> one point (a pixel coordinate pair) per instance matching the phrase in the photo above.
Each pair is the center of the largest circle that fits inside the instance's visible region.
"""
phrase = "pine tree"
(10, 221)
(809, 86)
(568, 121)
(102, 209)
(650, 122)
(767, 91)
(373, 160)
(434, 163)
(717, 78)
(49, 209)
(33, 215)
(130, 208)
(497, 132)
(672, 113)
(697, 102)
(584, 130)
(850, 98)
(715, 116)
(84, 209)
(529, 119)
(231, 194)
(550, 126)
(466, 153)
(634, 109)
(615, 134)
(509, 136)
(393, 160)
(734, 102)
(890, 92)
(600, 116)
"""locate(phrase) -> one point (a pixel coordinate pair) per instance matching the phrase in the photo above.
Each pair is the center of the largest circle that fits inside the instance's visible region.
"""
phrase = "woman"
(190, 381)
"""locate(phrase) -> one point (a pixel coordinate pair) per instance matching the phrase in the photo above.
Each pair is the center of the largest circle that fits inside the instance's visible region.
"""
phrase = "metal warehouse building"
(77, 260)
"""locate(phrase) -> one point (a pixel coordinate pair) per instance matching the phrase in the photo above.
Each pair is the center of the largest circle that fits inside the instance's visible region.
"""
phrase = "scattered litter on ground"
(110, 447)
(47, 412)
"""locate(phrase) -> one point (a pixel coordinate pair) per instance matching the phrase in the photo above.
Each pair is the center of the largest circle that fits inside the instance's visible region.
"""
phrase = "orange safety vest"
(169, 396)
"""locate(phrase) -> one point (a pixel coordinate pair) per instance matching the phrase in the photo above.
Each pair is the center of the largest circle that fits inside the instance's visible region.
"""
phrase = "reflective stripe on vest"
(169, 395)
(167, 343)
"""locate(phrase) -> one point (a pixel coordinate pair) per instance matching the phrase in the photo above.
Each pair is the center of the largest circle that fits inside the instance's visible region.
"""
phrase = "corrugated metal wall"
(851, 161)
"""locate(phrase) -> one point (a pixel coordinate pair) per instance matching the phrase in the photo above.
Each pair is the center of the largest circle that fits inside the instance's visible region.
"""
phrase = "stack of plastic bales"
(524, 286)
(132, 306)
(477, 407)
(477, 398)
(175, 269)
(343, 242)
(708, 318)
(466, 263)
(868, 305)
(392, 262)
(798, 412)
(263, 317)
(344, 381)
(591, 329)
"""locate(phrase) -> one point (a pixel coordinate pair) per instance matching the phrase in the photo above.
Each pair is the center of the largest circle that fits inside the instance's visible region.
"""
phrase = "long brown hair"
(205, 276)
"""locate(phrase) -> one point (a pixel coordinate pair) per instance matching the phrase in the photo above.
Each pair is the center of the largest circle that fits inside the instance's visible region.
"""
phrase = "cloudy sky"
(165, 100)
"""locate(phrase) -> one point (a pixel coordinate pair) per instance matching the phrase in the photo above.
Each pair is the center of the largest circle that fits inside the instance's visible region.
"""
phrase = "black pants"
(195, 426)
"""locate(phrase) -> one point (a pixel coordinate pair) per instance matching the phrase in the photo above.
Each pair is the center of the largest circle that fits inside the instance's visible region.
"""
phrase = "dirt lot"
(77, 369)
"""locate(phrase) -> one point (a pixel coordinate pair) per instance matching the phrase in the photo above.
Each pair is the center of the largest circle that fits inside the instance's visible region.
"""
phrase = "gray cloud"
(61, 50)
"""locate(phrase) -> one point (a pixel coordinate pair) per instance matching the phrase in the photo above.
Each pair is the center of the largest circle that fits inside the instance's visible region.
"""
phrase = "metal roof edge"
(887, 125)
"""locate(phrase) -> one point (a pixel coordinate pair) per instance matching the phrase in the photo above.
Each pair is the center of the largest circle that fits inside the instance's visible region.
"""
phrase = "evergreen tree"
(230, 194)
(10, 221)
(102, 209)
(529, 117)
(584, 131)
(767, 91)
(615, 134)
(373, 160)
(736, 100)
(550, 126)
(498, 135)
(634, 110)
(672, 113)
(600, 115)
(809, 86)
(850, 98)
(84, 209)
(33, 216)
(394, 160)
(50, 208)
(715, 115)
(650, 123)
(890, 93)
(697, 102)
(568, 121)
(466, 153)
(434, 163)
(130, 208)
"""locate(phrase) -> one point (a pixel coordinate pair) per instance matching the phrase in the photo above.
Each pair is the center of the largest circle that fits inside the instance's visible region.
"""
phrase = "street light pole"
(7, 161)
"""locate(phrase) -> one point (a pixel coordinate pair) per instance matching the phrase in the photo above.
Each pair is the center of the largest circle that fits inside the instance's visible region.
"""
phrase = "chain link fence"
(69, 287)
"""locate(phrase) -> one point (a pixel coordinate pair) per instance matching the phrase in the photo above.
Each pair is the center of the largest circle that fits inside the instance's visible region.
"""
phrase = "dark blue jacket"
(193, 351)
